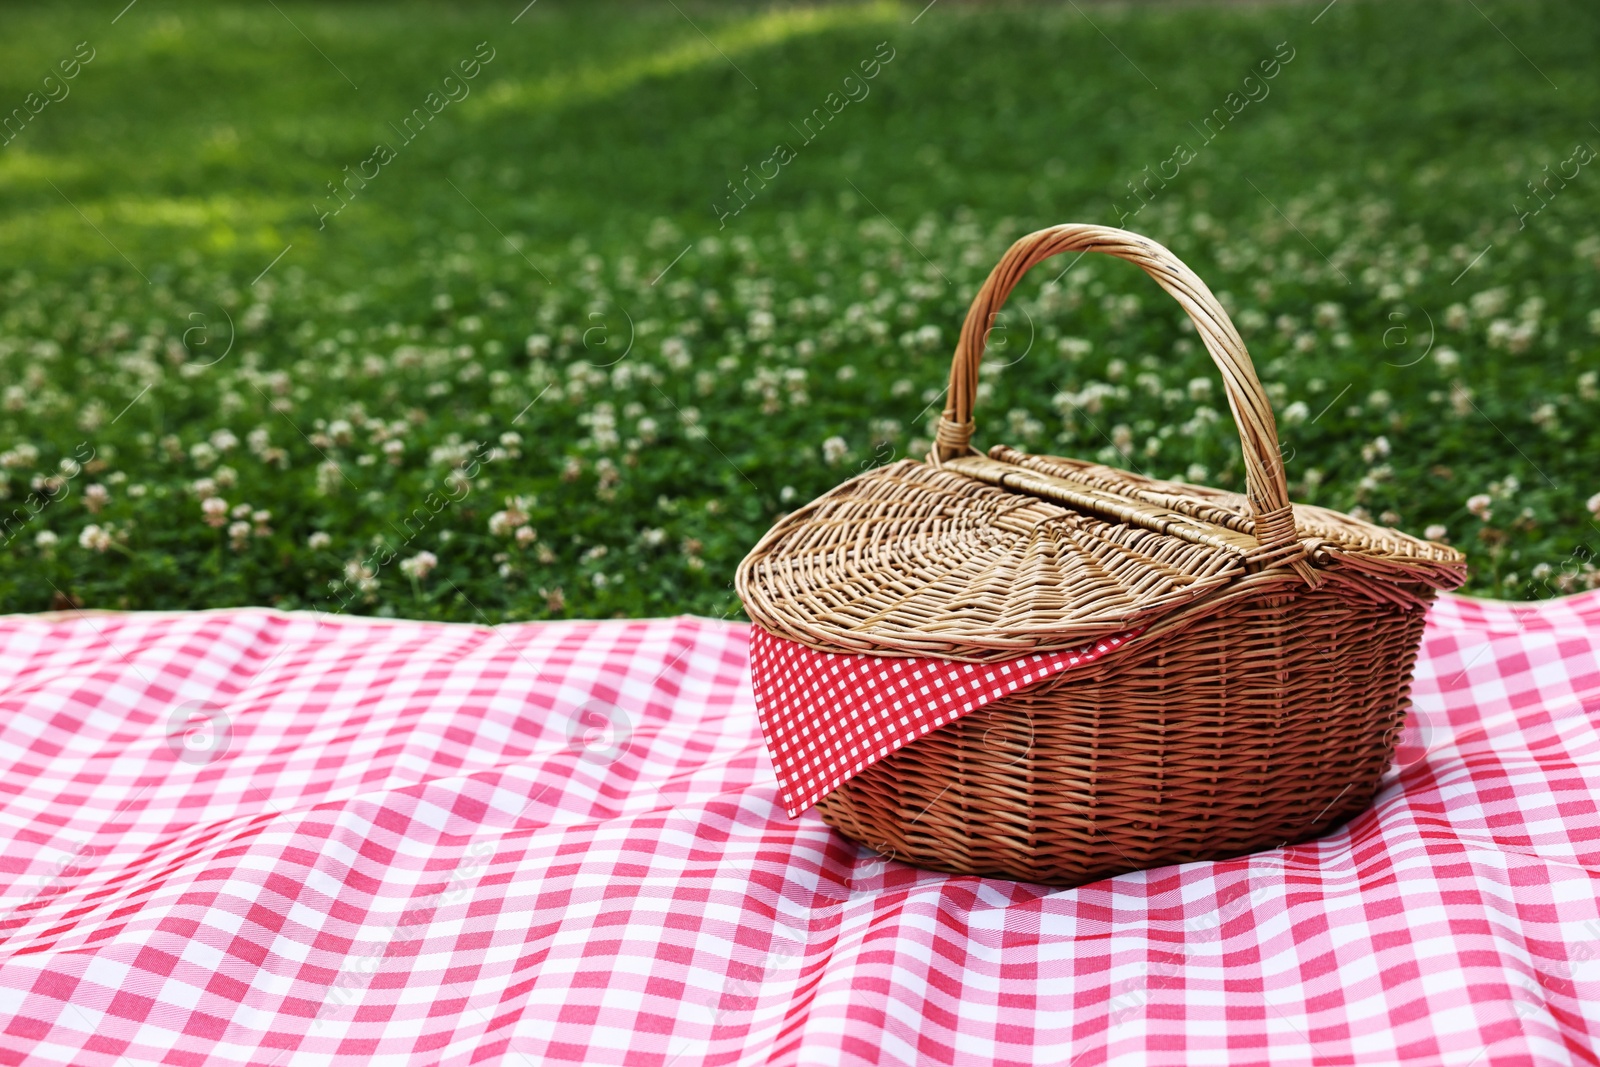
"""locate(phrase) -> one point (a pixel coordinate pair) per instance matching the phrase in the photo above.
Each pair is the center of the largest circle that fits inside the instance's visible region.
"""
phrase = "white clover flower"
(45, 541)
(602, 423)
(1593, 504)
(1499, 333)
(202, 454)
(761, 323)
(21, 457)
(786, 494)
(1490, 302)
(1203, 417)
(452, 453)
(653, 537)
(224, 440)
(1199, 388)
(676, 352)
(419, 566)
(227, 476)
(648, 429)
(341, 431)
(1023, 425)
(834, 449)
(1505, 488)
(258, 440)
(95, 538)
(884, 431)
(328, 477)
(214, 510)
(1521, 338)
(526, 535)
(607, 478)
(95, 497)
(1074, 348)
(393, 450)
(1480, 504)
(239, 535)
(1447, 358)
(1196, 474)
(318, 541)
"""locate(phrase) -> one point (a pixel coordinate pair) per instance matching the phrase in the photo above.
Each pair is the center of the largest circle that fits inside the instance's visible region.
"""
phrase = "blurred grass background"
(211, 128)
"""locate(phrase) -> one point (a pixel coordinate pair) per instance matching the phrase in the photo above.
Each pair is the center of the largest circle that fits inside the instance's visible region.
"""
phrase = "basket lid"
(985, 557)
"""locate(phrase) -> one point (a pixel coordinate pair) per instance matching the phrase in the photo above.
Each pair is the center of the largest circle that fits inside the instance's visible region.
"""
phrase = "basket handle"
(1266, 487)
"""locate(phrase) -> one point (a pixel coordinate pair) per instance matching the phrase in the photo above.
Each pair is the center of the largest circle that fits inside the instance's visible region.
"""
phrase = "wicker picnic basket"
(1257, 705)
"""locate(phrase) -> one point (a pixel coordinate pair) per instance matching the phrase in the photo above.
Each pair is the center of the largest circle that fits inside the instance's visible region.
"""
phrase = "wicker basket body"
(1258, 705)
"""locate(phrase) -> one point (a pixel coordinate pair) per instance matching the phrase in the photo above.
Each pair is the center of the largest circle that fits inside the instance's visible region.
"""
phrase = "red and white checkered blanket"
(243, 837)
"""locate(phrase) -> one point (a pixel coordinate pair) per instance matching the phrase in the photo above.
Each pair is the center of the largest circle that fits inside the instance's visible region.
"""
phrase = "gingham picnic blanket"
(245, 837)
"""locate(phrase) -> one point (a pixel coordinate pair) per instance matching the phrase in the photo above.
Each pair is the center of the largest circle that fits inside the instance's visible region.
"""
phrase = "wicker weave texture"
(1259, 706)
(1243, 734)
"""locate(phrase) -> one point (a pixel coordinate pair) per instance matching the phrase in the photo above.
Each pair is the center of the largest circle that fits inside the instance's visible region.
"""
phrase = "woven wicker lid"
(985, 557)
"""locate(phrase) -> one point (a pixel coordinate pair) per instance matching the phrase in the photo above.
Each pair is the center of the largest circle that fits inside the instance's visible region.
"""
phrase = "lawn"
(456, 312)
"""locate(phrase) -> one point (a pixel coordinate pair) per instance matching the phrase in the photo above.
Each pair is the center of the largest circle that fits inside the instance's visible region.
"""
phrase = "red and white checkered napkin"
(826, 717)
(249, 838)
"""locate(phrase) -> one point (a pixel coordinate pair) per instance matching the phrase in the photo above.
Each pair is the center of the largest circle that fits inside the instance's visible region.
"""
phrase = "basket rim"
(1370, 561)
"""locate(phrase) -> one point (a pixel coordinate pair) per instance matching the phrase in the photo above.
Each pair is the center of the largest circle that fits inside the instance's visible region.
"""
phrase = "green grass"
(1423, 345)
